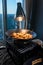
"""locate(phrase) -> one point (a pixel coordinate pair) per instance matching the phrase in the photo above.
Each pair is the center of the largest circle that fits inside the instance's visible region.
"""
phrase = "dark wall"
(37, 18)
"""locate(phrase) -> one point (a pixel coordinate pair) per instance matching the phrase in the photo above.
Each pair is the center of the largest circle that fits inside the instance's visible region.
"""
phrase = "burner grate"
(21, 48)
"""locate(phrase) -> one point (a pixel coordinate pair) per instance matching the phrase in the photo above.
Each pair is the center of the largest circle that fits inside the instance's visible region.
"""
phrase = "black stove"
(21, 48)
(20, 53)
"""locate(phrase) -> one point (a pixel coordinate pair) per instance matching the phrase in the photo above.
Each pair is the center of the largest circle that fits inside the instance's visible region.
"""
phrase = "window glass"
(11, 12)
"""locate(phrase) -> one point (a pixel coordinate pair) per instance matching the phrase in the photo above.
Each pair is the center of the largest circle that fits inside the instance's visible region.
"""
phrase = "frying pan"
(8, 34)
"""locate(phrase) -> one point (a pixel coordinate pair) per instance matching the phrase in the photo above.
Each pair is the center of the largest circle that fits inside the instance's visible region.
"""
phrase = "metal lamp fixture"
(20, 16)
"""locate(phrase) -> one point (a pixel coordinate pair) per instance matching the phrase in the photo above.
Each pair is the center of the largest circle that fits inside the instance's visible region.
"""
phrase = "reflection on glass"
(20, 16)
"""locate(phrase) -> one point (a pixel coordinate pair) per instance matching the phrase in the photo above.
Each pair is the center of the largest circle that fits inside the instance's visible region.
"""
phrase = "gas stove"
(20, 53)
(21, 48)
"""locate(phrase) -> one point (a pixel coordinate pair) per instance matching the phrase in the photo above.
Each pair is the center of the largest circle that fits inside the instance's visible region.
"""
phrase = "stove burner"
(20, 47)
(26, 45)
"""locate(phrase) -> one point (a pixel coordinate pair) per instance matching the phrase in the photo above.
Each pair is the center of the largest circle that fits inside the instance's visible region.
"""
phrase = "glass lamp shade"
(20, 16)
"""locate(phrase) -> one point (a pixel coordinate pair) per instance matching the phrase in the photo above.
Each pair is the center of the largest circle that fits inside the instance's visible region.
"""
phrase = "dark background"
(37, 18)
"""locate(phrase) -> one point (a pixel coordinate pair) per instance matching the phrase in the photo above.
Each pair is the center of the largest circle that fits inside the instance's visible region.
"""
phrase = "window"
(1, 21)
(9, 18)
(11, 12)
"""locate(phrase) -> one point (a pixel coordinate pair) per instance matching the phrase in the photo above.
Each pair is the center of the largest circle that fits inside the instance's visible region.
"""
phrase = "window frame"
(4, 18)
(4, 8)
